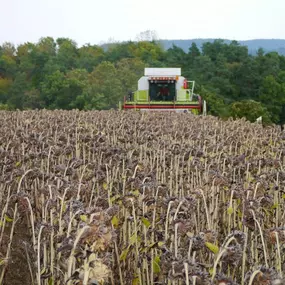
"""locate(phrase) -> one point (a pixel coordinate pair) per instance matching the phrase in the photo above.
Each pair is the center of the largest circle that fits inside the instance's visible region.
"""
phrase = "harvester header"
(164, 89)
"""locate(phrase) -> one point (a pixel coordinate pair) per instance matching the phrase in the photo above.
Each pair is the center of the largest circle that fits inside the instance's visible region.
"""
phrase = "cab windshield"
(162, 91)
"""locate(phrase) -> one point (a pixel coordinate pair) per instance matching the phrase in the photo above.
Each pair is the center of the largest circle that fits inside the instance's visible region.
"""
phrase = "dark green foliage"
(249, 109)
(57, 74)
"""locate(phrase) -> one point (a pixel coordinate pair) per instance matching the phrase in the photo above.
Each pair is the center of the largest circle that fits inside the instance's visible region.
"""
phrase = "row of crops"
(140, 199)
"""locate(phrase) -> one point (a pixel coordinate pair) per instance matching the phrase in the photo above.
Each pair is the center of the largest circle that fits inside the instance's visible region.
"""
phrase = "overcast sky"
(96, 21)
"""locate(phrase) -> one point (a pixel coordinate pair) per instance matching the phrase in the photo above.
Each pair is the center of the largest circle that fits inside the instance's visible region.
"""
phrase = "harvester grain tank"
(164, 89)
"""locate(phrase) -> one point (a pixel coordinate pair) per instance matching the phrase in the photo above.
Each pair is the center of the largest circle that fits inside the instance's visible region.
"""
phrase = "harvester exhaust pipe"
(204, 108)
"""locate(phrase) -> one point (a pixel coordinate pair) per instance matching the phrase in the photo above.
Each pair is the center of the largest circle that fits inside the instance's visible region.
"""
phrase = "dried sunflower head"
(233, 255)
(265, 276)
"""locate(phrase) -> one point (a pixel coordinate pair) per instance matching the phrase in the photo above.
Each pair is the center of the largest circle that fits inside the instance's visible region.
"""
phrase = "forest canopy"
(57, 74)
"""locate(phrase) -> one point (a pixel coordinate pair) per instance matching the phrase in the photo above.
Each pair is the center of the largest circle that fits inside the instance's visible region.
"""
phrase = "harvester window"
(162, 91)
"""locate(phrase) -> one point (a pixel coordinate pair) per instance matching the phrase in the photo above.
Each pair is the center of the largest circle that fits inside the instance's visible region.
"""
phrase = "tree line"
(57, 74)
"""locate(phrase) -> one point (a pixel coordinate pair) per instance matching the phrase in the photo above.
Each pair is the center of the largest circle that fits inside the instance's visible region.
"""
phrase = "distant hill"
(268, 45)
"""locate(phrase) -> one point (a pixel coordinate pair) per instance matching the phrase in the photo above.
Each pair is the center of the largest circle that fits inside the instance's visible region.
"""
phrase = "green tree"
(281, 77)
(176, 56)
(221, 79)
(67, 54)
(247, 80)
(77, 80)
(149, 52)
(26, 59)
(202, 69)
(269, 64)
(192, 54)
(212, 50)
(104, 90)
(8, 64)
(32, 99)
(234, 52)
(53, 90)
(260, 52)
(89, 57)
(273, 97)
(282, 62)
(16, 93)
(216, 105)
(5, 85)
(249, 109)
(43, 52)
(128, 72)
(117, 51)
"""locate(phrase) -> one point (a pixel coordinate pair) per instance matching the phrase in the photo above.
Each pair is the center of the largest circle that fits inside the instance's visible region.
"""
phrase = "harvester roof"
(162, 72)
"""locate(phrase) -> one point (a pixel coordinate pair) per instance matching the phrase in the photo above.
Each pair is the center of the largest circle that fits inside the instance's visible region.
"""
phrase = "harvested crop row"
(139, 198)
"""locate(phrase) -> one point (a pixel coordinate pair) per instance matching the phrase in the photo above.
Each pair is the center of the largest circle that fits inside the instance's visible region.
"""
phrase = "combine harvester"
(164, 89)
